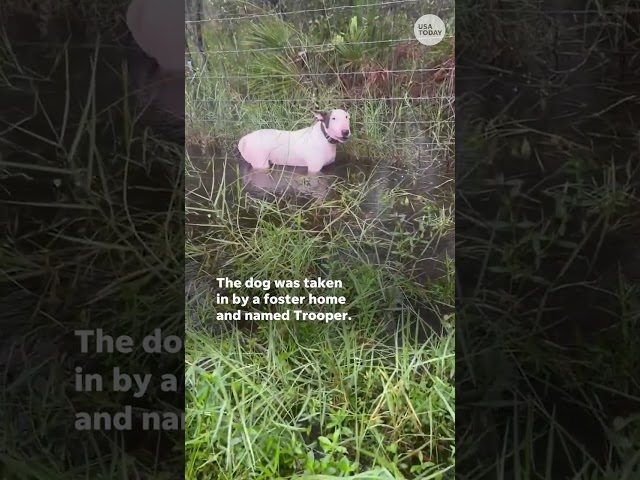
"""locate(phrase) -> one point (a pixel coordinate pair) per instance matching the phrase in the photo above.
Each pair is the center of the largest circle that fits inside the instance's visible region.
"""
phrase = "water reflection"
(210, 169)
(281, 181)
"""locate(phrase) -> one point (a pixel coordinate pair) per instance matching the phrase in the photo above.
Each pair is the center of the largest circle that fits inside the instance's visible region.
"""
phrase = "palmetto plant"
(274, 66)
(362, 42)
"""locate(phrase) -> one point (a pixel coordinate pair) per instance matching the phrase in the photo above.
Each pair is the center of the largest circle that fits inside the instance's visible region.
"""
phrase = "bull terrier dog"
(312, 147)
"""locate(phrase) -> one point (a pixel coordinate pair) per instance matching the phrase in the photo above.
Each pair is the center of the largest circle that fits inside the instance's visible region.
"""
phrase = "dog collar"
(331, 140)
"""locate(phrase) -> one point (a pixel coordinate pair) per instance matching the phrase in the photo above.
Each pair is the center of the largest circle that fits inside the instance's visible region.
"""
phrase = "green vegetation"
(271, 72)
(370, 397)
(379, 398)
(89, 242)
(548, 237)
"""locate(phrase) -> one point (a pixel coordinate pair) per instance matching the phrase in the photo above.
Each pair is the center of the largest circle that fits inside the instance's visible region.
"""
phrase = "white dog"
(312, 147)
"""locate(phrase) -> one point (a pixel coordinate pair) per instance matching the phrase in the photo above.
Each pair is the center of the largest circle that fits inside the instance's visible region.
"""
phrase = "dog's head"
(336, 124)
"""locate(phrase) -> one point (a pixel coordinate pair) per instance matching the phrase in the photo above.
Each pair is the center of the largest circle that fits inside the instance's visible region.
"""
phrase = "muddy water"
(367, 181)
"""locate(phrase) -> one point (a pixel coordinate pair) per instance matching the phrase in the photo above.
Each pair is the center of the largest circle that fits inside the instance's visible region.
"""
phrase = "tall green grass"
(87, 242)
(551, 300)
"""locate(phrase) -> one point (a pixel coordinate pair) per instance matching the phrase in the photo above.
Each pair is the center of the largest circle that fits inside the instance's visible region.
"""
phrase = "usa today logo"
(429, 30)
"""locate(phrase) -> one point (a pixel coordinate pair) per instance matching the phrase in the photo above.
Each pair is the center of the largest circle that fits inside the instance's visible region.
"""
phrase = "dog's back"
(280, 147)
(307, 147)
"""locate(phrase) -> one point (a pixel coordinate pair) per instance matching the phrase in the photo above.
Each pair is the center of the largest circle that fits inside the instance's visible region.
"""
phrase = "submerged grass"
(370, 394)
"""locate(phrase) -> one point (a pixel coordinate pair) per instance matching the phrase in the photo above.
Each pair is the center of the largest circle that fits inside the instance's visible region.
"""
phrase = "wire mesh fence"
(268, 65)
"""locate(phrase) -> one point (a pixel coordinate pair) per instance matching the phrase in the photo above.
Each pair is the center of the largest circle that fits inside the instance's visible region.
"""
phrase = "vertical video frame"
(319, 239)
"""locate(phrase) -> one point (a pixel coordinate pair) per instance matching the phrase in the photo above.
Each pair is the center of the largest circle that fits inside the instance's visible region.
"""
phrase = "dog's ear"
(320, 116)
(324, 117)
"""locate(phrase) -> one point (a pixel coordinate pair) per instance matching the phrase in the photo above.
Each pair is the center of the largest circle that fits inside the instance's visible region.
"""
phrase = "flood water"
(368, 183)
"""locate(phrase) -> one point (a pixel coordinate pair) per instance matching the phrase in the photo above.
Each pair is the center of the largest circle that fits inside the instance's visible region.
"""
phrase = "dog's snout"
(345, 133)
